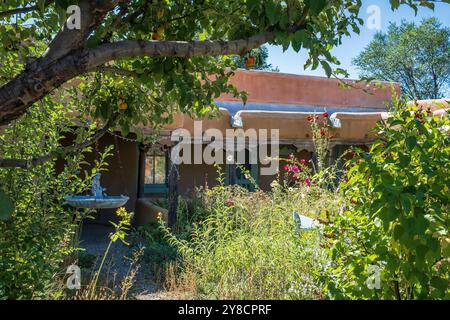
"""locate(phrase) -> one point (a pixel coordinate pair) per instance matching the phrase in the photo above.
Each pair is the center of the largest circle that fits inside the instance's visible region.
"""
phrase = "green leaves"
(404, 180)
(6, 206)
(298, 39)
(326, 66)
(36, 238)
(380, 59)
(411, 142)
(395, 4)
(316, 6)
(405, 160)
(272, 12)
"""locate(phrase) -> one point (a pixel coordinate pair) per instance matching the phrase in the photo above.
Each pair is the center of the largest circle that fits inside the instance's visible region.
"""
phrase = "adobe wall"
(196, 175)
(282, 88)
(121, 176)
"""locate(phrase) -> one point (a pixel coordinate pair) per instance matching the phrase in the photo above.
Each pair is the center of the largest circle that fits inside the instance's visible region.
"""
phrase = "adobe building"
(275, 101)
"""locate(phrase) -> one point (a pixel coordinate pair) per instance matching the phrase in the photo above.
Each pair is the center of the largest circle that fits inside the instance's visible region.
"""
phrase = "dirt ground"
(94, 239)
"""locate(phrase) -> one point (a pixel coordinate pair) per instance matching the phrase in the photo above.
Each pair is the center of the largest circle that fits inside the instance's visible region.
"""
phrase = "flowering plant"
(321, 134)
(297, 172)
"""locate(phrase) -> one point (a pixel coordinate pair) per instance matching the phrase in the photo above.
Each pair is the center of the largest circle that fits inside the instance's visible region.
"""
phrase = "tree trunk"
(32, 85)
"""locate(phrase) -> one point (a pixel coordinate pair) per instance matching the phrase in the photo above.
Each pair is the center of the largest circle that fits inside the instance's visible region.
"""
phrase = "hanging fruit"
(249, 62)
(158, 33)
(122, 104)
(156, 36)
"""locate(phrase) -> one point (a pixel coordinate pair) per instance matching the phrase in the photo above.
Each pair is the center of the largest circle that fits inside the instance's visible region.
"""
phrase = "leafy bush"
(395, 218)
(249, 247)
(38, 234)
(157, 250)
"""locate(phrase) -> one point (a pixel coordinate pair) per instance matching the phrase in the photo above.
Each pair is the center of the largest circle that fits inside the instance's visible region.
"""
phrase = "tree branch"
(118, 71)
(36, 161)
(68, 57)
(33, 84)
(92, 14)
(182, 49)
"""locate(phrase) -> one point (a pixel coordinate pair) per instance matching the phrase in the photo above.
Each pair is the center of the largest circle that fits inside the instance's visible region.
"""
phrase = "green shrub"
(395, 218)
(38, 236)
(157, 250)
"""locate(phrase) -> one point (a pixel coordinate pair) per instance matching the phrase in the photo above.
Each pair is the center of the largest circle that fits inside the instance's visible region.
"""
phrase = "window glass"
(155, 169)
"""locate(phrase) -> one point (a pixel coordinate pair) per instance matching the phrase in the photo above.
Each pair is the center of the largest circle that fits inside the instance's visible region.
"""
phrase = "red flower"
(325, 115)
(308, 182)
(295, 178)
(303, 161)
(287, 168)
(322, 132)
(310, 119)
(294, 169)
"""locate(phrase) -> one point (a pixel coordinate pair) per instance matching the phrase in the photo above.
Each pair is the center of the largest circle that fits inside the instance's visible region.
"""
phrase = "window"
(155, 173)
(237, 174)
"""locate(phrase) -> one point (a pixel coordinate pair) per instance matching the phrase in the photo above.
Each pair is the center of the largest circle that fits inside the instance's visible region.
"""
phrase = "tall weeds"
(248, 246)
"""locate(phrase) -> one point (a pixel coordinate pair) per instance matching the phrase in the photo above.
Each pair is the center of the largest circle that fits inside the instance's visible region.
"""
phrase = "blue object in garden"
(98, 199)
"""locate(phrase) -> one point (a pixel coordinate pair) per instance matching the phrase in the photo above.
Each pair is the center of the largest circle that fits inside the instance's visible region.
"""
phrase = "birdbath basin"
(98, 200)
(108, 202)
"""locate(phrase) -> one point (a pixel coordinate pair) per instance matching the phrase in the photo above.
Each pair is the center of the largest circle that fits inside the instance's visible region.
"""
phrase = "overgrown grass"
(102, 284)
(248, 246)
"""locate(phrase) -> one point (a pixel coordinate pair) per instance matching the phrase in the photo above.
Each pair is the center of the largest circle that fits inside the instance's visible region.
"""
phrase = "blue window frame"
(155, 180)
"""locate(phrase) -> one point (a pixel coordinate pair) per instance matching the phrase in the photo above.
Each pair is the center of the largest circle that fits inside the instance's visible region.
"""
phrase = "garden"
(389, 211)
(373, 224)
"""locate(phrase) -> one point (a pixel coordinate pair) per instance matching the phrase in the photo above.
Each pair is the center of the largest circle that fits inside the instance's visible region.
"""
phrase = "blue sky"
(292, 62)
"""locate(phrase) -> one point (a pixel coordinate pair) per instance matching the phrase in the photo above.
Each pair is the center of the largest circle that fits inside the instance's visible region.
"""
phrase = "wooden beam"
(173, 195)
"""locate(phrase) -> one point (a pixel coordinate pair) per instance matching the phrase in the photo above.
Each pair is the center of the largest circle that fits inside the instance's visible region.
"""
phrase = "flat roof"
(265, 88)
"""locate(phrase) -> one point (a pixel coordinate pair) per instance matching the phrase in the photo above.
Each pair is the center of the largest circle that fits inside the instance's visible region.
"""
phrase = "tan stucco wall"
(355, 126)
(221, 123)
(358, 126)
(291, 125)
(118, 179)
(434, 105)
(196, 175)
(274, 87)
(121, 180)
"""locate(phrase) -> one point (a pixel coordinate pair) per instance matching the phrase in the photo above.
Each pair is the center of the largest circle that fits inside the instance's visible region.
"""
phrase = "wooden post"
(173, 195)
(141, 176)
